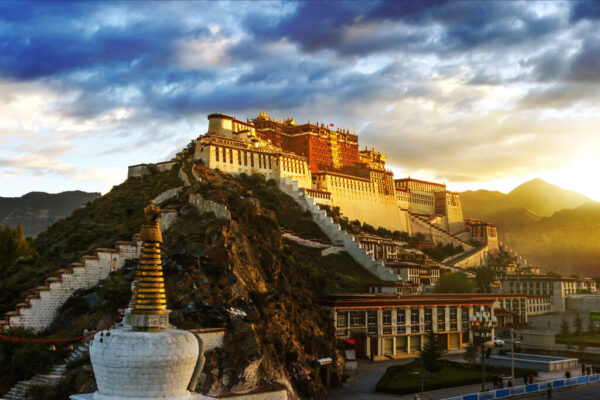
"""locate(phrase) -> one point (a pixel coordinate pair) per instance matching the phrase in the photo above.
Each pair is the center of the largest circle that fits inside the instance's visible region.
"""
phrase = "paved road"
(361, 386)
(584, 393)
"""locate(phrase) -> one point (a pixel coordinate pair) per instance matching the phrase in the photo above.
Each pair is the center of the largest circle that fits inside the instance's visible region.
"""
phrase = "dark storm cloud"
(585, 10)
(128, 55)
(464, 25)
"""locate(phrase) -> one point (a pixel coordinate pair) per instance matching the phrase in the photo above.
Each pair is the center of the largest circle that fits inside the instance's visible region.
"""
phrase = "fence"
(529, 389)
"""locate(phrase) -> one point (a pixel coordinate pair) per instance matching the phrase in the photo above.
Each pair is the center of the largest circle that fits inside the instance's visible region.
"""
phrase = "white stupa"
(146, 358)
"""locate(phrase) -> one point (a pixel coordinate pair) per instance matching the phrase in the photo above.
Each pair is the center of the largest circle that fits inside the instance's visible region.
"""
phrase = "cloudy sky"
(474, 94)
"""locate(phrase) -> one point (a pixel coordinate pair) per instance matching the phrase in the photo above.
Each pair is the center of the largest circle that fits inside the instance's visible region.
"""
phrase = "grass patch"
(588, 339)
(402, 379)
(288, 213)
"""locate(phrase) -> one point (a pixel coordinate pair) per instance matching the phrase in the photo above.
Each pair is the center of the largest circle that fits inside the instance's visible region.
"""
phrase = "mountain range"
(554, 228)
(35, 211)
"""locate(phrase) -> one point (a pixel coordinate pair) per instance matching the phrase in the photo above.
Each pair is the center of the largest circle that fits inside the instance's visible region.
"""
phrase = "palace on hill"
(328, 164)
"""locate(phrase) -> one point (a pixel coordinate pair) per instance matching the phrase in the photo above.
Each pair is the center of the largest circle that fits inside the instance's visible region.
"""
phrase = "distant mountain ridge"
(35, 211)
(551, 227)
(537, 196)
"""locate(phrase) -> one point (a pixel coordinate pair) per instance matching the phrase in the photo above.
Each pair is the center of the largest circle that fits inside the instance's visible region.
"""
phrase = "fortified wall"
(361, 199)
(38, 309)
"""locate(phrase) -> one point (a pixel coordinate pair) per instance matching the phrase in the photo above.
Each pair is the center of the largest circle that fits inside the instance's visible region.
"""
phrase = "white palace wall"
(39, 309)
(360, 199)
(236, 160)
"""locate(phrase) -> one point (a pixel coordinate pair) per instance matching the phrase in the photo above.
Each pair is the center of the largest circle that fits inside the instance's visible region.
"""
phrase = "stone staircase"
(20, 390)
(450, 238)
(335, 233)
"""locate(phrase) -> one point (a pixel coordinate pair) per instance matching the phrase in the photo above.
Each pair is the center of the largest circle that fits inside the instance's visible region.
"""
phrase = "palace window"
(342, 319)
(217, 153)
(357, 318)
(414, 316)
(387, 317)
(428, 319)
(224, 154)
(230, 156)
(400, 316)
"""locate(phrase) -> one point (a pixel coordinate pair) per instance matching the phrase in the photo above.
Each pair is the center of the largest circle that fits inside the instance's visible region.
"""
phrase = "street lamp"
(482, 324)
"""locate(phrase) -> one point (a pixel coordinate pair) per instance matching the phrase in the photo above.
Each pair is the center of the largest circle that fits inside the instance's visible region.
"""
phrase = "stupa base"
(98, 396)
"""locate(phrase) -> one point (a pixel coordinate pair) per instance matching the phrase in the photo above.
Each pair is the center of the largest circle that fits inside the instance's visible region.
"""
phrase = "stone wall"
(136, 171)
(39, 309)
(278, 392)
(419, 224)
(361, 199)
(474, 258)
(168, 194)
(583, 303)
(335, 233)
(204, 206)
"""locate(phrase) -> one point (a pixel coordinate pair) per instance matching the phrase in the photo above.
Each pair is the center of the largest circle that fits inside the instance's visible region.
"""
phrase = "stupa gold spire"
(149, 290)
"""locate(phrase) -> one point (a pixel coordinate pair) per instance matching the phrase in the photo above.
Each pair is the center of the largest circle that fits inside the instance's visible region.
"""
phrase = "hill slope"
(567, 242)
(551, 227)
(36, 211)
(544, 198)
(239, 272)
(537, 196)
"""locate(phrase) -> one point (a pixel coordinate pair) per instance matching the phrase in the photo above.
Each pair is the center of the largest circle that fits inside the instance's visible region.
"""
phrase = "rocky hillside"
(36, 211)
(238, 273)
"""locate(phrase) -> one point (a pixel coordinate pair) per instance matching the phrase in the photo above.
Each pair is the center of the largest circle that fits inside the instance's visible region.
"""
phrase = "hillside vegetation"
(112, 217)
(238, 273)
(36, 211)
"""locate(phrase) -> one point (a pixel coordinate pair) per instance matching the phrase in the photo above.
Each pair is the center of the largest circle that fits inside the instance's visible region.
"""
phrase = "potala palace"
(328, 167)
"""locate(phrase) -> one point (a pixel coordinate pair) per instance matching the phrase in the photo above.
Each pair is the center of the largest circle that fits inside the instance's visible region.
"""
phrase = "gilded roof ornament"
(149, 290)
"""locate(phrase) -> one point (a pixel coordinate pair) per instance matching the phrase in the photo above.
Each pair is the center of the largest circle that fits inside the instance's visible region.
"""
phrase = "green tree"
(484, 277)
(431, 354)
(456, 282)
(591, 326)
(578, 325)
(564, 328)
(114, 293)
(13, 245)
(470, 354)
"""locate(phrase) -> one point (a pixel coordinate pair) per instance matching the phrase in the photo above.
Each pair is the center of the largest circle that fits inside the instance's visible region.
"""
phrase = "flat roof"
(409, 179)
(360, 300)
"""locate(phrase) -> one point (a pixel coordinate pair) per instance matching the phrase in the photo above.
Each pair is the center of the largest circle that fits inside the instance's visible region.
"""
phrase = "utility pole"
(512, 353)
(482, 324)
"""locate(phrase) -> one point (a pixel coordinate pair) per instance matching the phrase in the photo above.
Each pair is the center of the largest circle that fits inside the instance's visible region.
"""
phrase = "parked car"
(498, 342)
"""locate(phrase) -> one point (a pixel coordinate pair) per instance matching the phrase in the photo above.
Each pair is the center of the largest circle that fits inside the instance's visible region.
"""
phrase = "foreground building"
(385, 326)
(556, 288)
